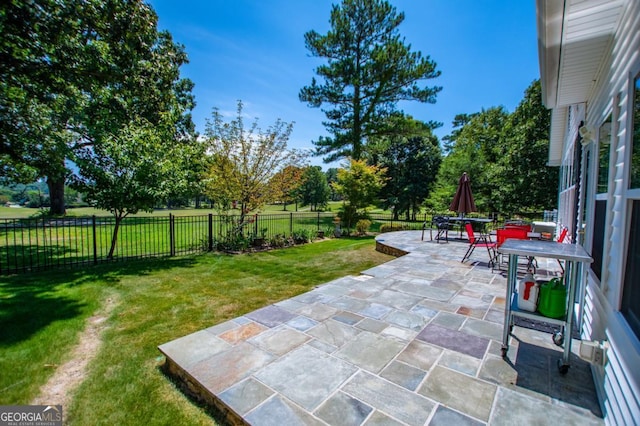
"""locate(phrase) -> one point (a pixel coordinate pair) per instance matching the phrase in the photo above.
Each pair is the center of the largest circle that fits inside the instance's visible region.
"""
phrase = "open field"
(152, 302)
(25, 212)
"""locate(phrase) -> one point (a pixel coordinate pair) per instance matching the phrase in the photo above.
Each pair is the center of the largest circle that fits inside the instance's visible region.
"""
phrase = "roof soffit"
(574, 37)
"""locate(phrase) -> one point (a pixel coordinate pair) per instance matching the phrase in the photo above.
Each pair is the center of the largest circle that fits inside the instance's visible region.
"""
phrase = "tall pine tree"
(369, 69)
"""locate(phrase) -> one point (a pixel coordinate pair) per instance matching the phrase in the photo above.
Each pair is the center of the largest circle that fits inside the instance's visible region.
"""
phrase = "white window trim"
(628, 195)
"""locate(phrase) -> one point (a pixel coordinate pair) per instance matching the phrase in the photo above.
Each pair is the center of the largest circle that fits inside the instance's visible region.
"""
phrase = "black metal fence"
(36, 244)
(45, 243)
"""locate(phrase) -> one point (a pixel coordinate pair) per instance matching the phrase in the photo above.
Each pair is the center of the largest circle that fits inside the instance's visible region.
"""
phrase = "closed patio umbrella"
(463, 200)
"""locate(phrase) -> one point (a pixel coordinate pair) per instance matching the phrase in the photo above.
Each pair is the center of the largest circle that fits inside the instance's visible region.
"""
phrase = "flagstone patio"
(414, 341)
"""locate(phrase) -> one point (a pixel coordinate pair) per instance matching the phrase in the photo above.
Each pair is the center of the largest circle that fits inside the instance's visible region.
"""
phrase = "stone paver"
(280, 341)
(412, 342)
(241, 333)
(306, 376)
(224, 369)
(459, 391)
(394, 400)
(455, 340)
(191, 349)
(446, 417)
(344, 410)
(245, 396)
(277, 412)
(370, 351)
(403, 374)
(333, 332)
(271, 316)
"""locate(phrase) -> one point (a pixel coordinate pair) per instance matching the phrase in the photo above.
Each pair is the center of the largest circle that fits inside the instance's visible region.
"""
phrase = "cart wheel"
(511, 329)
(562, 368)
(558, 338)
(504, 352)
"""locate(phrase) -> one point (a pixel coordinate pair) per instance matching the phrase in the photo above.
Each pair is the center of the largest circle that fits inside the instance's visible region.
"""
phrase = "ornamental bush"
(362, 226)
(391, 228)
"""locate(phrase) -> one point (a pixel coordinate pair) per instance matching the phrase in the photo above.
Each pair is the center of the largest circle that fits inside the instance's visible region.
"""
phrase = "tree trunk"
(114, 237)
(56, 196)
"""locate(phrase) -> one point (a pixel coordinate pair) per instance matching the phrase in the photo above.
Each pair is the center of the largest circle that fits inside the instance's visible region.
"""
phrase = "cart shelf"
(532, 315)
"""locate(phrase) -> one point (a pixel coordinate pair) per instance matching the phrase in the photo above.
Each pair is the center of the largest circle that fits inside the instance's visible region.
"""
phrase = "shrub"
(232, 241)
(278, 241)
(362, 226)
(301, 236)
(391, 228)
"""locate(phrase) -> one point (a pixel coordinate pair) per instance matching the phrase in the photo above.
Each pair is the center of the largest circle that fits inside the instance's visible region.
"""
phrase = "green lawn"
(156, 301)
(25, 212)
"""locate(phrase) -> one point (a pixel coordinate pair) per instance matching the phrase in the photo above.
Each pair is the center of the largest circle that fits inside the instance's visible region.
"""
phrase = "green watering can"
(553, 299)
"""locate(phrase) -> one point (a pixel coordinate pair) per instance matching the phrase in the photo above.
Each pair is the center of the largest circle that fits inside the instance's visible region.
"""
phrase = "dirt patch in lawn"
(59, 389)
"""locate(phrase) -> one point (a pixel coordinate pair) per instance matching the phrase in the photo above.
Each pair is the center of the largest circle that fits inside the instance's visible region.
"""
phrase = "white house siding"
(567, 199)
(618, 382)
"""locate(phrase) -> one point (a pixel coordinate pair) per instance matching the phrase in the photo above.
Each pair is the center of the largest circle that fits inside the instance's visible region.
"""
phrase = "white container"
(528, 290)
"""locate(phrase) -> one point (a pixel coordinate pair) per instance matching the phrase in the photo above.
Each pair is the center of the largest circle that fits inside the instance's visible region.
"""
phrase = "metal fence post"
(255, 225)
(290, 223)
(44, 242)
(318, 220)
(172, 237)
(210, 232)
(95, 243)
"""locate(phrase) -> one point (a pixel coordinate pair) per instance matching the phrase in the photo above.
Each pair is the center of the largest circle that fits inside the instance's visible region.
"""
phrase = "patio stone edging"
(390, 250)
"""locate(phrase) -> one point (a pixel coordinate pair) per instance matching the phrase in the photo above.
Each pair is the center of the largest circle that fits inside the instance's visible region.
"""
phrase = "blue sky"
(253, 50)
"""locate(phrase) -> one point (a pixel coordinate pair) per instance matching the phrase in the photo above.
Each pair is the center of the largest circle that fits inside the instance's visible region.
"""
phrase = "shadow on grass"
(31, 302)
(216, 414)
(21, 257)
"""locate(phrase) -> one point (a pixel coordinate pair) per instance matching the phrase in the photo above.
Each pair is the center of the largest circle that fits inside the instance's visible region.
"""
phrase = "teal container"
(553, 299)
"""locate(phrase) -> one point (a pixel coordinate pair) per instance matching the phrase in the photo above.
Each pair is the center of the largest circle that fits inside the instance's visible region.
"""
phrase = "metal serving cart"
(575, 257)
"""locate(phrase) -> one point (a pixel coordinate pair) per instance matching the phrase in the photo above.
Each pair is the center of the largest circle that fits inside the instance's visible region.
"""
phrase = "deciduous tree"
(474, 148)
(369, 69)
(522, 161)
(332, 176)
(505, 155)
(243, 162)
(315, 190)
(412, 157)
(359, 185)
(285, 185)
(135, 170)
(75, 74)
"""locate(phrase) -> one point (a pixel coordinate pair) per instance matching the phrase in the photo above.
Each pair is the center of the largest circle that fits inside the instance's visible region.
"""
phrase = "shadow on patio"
(413, 341)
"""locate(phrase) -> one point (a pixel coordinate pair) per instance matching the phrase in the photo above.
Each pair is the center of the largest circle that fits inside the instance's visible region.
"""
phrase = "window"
(634, 181)
(631, 296)
(586, 198)
(600, 213)
(604, 148)
(597, 247)
(630, 306)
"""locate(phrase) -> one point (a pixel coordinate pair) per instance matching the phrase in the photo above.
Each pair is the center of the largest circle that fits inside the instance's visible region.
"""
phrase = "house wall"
(569, 174)
(618, 382)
